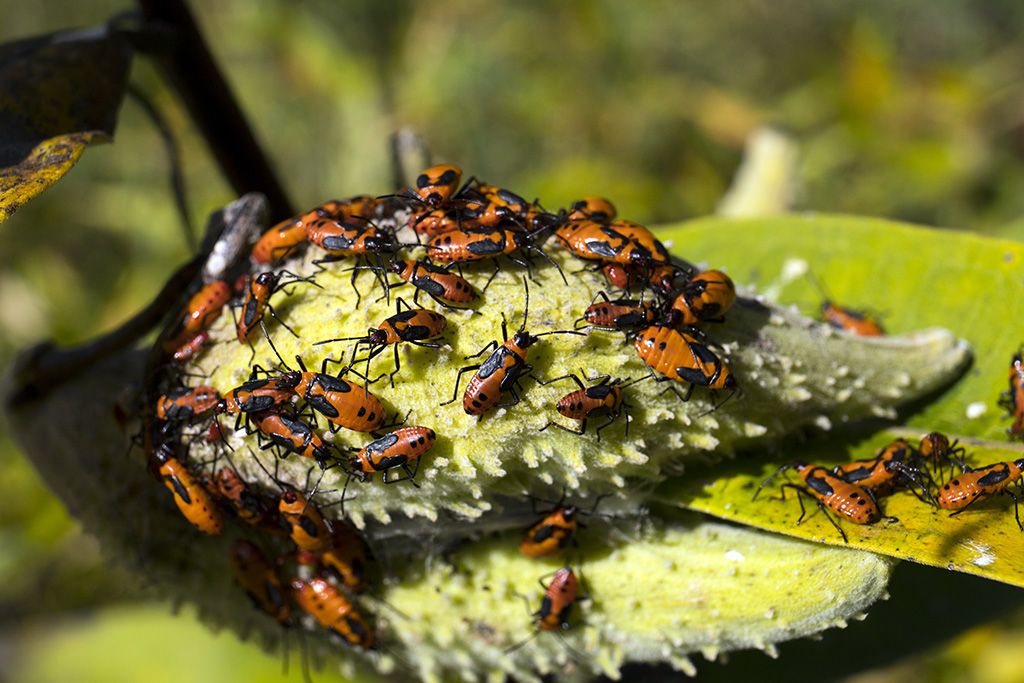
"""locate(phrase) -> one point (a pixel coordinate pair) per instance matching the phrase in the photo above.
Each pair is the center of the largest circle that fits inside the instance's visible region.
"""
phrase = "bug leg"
(458, 379)
(582, 430)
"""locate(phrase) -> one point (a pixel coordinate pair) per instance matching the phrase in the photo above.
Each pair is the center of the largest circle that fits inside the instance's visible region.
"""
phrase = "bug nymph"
(602, 398)
(854, 503)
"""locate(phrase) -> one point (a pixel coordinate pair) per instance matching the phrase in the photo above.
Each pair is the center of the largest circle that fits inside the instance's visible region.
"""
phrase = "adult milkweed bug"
(681, 357)
(187, 403)
(621, 314)
(201, 310)
(849, 500)
(587, 402)
(439, 283)
(333, 611)
(991, 480)
(1013, 399)
(705, 298)
(189, 495)
(935, 450)
(553, 534)
(256, 575)
(393, 451)
(497, 375)
(891, 466)
(412, 326)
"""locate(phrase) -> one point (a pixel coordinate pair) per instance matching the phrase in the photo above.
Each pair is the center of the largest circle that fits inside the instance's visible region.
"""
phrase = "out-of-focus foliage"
(903, 110)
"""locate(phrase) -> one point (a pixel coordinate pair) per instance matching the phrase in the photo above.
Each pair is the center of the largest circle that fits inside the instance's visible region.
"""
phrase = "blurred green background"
(909, 110)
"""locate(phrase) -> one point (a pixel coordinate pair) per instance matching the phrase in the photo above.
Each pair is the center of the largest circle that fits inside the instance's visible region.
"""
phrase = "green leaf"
(917, 277)
(983, 540)
(58, 94)
(914, 277)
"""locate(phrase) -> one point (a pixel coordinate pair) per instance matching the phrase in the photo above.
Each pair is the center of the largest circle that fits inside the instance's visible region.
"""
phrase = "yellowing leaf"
(58, 93)
(983, 540)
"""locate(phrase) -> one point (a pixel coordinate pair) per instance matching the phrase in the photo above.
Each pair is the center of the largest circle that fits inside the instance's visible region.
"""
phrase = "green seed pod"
(656, 586)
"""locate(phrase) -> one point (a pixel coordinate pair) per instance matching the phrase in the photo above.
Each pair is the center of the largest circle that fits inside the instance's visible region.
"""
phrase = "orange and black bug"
(439, 283)
(553, 534)
(588, 402)
(891, 466)
(497, 375)
(333, 611)
(201, 310)
(559, 597)
(842, 318)
(189, 494)
(339, 400)
(412, 326)
(623, 242)
(249, 507)
(849, 500)
(1013, 399)
(620, 275)
(496, 207)
(257, 301)
(187, 403)
(189, 348)
(621, 314)
(597, 209)
(429, 222)
(983, 482)
(348, 559)
(936, 450)
(438, 184)
(257, 395)
(681, 357)
(308, 528)
(292, 435)
(705, 298)
(257, 577)
(281, 240)
(393, 451)
(477, 244)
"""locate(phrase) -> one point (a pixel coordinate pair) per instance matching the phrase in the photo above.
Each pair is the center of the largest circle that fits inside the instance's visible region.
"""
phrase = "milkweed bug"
(258, 394)
(412, 326)
(430, 222)
(1013, 399)
(191, 347)
(553, 534)
(257, 301)
(309, 530)
(256, 575)
(201, 310)
(842, 318)
(553, 616)
(936, 450)
(333, 611)
(621, 314)
(705, 298)
(339, 400)
(439, 283)
(280, 240)
(476, 244)
(622, 242)
(187, 403)
(393, 451)
(991, 480)
(249, 507)
(597, 209)
(682, 358)
(848, 500)
(891, 466)
(438, 184)
(587, 402)
(289, 433)
(189, 495)
(497, 375)
(348, 558)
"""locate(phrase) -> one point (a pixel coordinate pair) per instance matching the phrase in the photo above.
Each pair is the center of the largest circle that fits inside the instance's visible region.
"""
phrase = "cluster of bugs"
(852, 490)
(445, 240)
